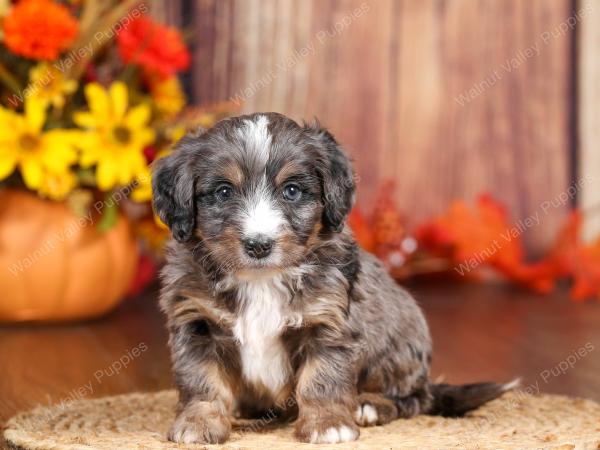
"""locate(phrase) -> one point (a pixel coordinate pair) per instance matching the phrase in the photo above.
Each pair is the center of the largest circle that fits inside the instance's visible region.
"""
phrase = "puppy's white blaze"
(334, 435)
(255, 134)
(263, 318)
(262, 218)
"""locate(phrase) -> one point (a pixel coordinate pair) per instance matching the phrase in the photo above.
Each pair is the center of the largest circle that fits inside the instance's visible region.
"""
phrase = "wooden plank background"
(588, 93)
(448, 98)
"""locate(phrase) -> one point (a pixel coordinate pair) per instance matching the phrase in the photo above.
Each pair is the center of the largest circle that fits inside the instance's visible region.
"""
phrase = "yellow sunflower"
(143, 181)
(56, 185)
(116, 135)
(37, 153)
(143, 186)
(47, 84)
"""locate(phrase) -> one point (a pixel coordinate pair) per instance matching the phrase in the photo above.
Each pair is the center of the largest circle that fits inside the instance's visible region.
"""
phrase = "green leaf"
(86, 177)
(80, 200)
(110, 213)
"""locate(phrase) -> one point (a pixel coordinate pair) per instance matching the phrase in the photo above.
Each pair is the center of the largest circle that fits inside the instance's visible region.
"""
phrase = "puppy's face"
(258, 191)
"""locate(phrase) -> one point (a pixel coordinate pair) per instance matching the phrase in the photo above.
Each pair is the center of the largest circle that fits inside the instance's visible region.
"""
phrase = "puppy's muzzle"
(258, 247)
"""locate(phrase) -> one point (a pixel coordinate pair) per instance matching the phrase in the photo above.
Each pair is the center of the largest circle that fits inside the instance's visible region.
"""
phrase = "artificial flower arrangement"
(89, 97)
(477, 243)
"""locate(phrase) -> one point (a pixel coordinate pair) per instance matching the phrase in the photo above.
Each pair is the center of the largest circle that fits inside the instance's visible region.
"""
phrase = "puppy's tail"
(455, 401)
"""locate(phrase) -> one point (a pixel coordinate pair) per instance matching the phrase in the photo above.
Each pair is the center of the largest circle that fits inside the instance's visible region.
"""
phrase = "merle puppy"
(270, 302)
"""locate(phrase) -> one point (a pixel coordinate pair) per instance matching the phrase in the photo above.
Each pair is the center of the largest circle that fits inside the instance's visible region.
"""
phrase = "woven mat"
(140, 421)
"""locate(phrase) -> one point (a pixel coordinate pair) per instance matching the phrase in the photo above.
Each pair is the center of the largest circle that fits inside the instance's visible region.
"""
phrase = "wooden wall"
(588, 129)
(447, 97)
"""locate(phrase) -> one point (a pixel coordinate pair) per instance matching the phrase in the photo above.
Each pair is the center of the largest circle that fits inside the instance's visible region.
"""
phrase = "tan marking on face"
(226, 249)
(292, 251)
(313, 238)
(233, 173)
(289, 168)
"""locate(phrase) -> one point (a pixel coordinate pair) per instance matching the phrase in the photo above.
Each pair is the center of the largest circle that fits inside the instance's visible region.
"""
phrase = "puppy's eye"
(224, 192)
(292, 192)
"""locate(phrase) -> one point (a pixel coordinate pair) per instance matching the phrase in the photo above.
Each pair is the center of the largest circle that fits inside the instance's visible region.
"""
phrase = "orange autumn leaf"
(473, 235)
(483, 236)
(571, 257)
(586, 273)
(539, 276)
(563, 254)
(471, 238)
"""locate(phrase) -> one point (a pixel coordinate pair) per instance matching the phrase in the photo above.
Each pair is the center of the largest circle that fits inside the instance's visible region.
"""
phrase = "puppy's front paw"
(200, 423)
(326, 428)
(334, 434)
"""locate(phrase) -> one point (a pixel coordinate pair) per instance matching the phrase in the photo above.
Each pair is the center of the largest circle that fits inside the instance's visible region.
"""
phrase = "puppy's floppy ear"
(173, 191)
(337, 178)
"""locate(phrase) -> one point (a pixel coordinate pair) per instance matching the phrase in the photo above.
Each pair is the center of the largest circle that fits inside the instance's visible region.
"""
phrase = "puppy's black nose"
(258, 248)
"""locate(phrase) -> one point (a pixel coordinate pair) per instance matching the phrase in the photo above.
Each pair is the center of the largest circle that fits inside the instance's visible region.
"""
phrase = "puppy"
(271, 305)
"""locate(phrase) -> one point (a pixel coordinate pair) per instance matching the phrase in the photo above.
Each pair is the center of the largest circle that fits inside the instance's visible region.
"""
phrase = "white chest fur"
(264, 315)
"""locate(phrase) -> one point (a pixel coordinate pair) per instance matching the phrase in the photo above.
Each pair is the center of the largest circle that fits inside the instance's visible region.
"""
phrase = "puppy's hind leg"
(379, 409)
(374, 409)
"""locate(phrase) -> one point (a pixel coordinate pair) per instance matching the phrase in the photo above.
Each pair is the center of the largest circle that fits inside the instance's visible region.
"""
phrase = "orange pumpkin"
(55, 266)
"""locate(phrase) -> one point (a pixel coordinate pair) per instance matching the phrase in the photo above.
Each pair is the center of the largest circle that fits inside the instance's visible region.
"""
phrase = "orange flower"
(157, 48)
(39, 29)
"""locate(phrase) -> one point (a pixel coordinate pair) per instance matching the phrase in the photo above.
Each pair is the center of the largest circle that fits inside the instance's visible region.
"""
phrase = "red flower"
(144, 275)
(150, 153)
(39, 29)
(156, 48)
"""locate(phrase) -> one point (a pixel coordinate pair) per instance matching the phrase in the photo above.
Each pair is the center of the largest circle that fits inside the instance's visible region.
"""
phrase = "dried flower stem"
(9, 80)
(108, 21)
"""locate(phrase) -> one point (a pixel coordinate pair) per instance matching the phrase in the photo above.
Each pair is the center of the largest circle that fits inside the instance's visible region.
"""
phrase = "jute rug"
(140, 421)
